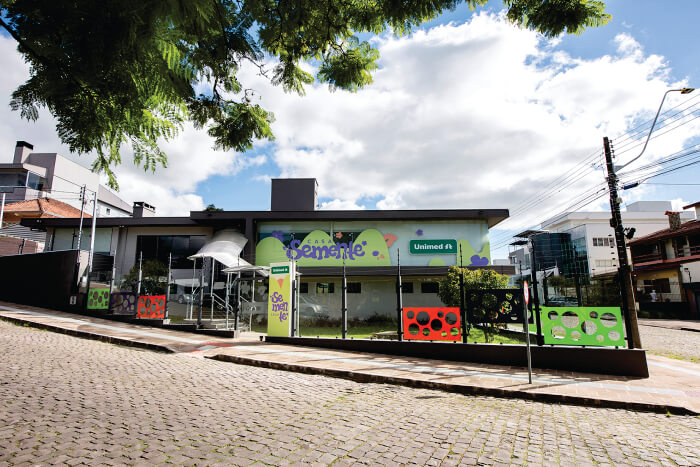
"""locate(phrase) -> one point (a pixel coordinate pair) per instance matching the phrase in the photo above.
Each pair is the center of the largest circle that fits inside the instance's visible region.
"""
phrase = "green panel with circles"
(594, 326)
(98, 299)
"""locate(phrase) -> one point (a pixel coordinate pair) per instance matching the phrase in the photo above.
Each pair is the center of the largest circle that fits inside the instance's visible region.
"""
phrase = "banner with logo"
(279, 303)
(426, 244)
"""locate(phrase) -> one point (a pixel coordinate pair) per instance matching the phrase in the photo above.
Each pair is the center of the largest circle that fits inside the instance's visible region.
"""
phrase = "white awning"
(247, 267)
(225, 247)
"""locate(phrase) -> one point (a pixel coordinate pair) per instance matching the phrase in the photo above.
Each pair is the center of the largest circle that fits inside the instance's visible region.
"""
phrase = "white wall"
(693, 273)
(598, 225)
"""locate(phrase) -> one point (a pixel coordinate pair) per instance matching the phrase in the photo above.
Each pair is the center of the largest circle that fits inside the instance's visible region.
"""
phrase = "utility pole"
(80, 228)
(399, 297)
(462, 311)
(2, 209)
(93, 226)
(344, 303)
(535, 292)
(628, 307)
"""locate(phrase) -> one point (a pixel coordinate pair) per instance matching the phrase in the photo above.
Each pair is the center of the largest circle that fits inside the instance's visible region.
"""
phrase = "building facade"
(666, 269)
(369, 245)
(33, 175)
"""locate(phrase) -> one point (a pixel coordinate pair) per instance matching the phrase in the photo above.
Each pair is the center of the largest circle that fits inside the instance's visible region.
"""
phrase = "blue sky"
(664, 28)
(468, 112)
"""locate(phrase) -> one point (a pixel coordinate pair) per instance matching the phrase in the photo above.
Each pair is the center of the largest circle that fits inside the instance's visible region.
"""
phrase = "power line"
(675, 184)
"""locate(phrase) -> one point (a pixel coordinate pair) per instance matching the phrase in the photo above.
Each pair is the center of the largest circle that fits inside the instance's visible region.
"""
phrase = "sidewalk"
(677, 324)
(673, 385)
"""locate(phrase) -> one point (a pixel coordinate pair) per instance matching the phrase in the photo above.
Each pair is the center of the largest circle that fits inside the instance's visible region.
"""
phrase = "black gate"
(491, 306)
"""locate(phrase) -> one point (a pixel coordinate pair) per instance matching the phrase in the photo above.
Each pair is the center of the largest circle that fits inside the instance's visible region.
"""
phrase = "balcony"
(647, 258)
(687, 251)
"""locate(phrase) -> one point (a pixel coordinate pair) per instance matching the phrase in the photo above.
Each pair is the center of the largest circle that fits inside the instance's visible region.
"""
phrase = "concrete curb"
(88, 335)
(362, 377)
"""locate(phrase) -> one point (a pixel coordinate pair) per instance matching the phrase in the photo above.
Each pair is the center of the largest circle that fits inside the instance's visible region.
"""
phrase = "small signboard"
(279, 303)
(526, 293)
(432, 247)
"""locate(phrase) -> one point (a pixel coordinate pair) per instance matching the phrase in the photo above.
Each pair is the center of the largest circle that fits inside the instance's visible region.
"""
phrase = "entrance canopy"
(245, 266)
(225, 247)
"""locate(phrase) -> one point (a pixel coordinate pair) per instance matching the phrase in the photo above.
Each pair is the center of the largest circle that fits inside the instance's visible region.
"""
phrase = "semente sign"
(432, 247)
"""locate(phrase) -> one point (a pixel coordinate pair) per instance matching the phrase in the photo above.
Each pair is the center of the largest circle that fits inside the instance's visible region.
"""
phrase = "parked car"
(309, 308)
(187, 298)
(562, 301)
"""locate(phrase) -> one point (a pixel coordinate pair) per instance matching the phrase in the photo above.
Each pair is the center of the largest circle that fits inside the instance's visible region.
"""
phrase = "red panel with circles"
(432, 324)
(151, 306)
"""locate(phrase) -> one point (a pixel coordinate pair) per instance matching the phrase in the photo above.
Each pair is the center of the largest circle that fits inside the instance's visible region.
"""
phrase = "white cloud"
(477, 115)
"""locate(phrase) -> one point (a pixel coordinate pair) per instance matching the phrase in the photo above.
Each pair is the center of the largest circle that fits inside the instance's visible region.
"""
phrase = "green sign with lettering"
(279, 270)
(432, 247)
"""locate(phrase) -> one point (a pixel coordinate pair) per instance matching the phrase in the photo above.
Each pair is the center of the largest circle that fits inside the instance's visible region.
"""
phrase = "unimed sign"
(432, 247)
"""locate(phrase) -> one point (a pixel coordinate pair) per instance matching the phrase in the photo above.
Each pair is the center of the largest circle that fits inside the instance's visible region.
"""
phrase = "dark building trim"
(43, 224)
(224, 218)
(493, 216)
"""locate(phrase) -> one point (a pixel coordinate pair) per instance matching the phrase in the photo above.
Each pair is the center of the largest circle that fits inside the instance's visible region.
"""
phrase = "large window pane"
(34, 181)
(10, 180)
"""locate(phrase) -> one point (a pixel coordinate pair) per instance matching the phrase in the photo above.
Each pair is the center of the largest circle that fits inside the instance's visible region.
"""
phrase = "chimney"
(293, 194)
(142, 209)
(674, 220)
(22, 151)
(695, 206)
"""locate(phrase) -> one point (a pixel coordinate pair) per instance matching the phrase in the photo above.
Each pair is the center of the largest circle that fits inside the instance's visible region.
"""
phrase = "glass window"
(10, 180)
(429, 287)
(354, 287)
(304, 287)
(325, 287)
(407, 287)
(34, 181)
(159, 247)
(603, 241)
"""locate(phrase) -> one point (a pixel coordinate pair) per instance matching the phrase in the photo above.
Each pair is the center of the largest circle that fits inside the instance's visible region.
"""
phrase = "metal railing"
(686, 251)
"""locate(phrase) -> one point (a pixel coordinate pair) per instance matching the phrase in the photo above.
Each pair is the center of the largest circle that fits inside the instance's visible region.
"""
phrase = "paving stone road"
(70, 400)
(674, 343)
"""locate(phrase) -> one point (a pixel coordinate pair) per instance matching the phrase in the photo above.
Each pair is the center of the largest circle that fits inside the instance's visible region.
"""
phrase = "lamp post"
(627, 295)
(651, 130)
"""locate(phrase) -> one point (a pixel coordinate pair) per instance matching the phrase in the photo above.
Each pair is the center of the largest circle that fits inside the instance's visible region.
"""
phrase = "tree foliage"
(474, 279)
(134, 71)
(153, 278)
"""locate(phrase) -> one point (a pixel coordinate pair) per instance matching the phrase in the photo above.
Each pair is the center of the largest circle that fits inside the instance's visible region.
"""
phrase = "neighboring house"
(590, 233)
(18, 239)
(33, 175)
(666, 269)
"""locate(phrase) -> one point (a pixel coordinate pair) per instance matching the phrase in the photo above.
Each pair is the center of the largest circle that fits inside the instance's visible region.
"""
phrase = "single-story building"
(423, 242)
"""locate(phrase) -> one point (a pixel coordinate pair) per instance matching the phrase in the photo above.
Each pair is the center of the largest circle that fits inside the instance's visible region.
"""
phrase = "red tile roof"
(687, 228)
(40, 208)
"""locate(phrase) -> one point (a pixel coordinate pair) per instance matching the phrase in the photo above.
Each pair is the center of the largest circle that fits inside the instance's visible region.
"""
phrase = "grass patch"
(676, 356)
(367, 330)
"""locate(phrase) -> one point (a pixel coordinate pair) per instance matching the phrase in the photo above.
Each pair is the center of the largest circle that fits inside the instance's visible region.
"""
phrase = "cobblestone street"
(71, 400)
(674, 343)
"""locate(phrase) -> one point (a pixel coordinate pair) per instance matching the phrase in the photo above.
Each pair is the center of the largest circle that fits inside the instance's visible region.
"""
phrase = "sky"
(468, 112)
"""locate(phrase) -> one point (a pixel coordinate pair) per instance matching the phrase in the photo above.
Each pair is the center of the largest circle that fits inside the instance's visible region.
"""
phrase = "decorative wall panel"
(151, 306)
(432, 323)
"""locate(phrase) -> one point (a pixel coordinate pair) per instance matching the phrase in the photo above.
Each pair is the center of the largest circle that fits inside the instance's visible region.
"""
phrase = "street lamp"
(682, 91)
(627, 296)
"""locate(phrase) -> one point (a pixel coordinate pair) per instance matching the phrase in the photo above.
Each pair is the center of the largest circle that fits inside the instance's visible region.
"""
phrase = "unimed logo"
(433, 247)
